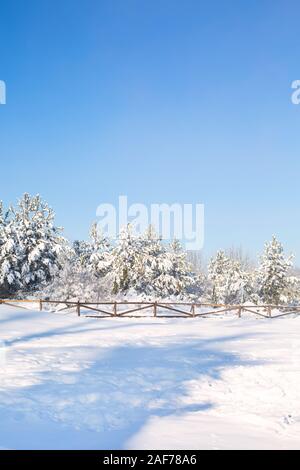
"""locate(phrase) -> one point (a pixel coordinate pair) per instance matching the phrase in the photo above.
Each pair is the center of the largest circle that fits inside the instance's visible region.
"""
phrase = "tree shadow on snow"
(103, 405)
(72, 329)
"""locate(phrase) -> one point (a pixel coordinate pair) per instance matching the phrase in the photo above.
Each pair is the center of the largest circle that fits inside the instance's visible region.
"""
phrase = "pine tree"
(126, 262)
(40, 241)
(272, 275)
(149, 263)
(148, 267)
(176, 277)
(30, 246)
(95, 254)
(10, 277)
(227, 280)
(100, 259)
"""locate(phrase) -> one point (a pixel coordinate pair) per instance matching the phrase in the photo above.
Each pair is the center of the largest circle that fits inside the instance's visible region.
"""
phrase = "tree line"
(36, 259)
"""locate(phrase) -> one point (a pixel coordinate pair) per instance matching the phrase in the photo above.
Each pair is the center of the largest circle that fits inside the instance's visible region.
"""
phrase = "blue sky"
(164, 101)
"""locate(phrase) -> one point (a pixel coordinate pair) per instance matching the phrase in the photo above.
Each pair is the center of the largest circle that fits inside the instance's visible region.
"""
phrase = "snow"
(196, 383)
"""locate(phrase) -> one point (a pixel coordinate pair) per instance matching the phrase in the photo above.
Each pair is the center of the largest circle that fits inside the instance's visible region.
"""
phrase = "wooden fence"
(155, 309)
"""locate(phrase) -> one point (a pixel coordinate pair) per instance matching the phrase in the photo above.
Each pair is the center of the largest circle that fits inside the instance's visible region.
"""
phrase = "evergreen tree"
(101, 257)
(150, 262)
(227, 280)
(175, 277)
(40, 241)
(126, 262)
(149, 267)
(272, 276)
(10, 276)
(95, 254)
(30, 247)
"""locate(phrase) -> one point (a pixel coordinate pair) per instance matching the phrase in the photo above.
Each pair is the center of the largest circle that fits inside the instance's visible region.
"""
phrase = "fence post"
(115, 309)
(78, 308)
(193, 310)
(270, 311)
(155, 309)
(41, 305)
(239, 312)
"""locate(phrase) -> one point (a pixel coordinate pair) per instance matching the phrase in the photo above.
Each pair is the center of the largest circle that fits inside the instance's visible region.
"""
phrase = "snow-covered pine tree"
(82, 252)
(126, 261)
(149, 267)
(39, 241)
(217, 269)
(150, 262)
(227, 280)
(100, 260)
(10, 277)
(291, 294)
(176, 277)
(272, 276)
(95, 254)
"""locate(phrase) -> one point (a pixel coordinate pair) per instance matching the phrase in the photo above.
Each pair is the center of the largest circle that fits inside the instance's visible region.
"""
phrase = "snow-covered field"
(207, 383)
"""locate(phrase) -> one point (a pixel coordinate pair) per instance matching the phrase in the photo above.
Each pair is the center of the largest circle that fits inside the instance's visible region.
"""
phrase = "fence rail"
(130, 309)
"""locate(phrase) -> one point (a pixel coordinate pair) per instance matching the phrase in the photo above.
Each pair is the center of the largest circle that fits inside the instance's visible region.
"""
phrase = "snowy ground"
(208, 383)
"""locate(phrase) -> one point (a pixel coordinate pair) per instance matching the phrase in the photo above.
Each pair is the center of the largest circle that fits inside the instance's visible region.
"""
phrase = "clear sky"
(161, 100)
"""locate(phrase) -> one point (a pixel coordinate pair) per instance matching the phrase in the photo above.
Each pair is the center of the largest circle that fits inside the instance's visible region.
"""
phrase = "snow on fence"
(155, 309)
